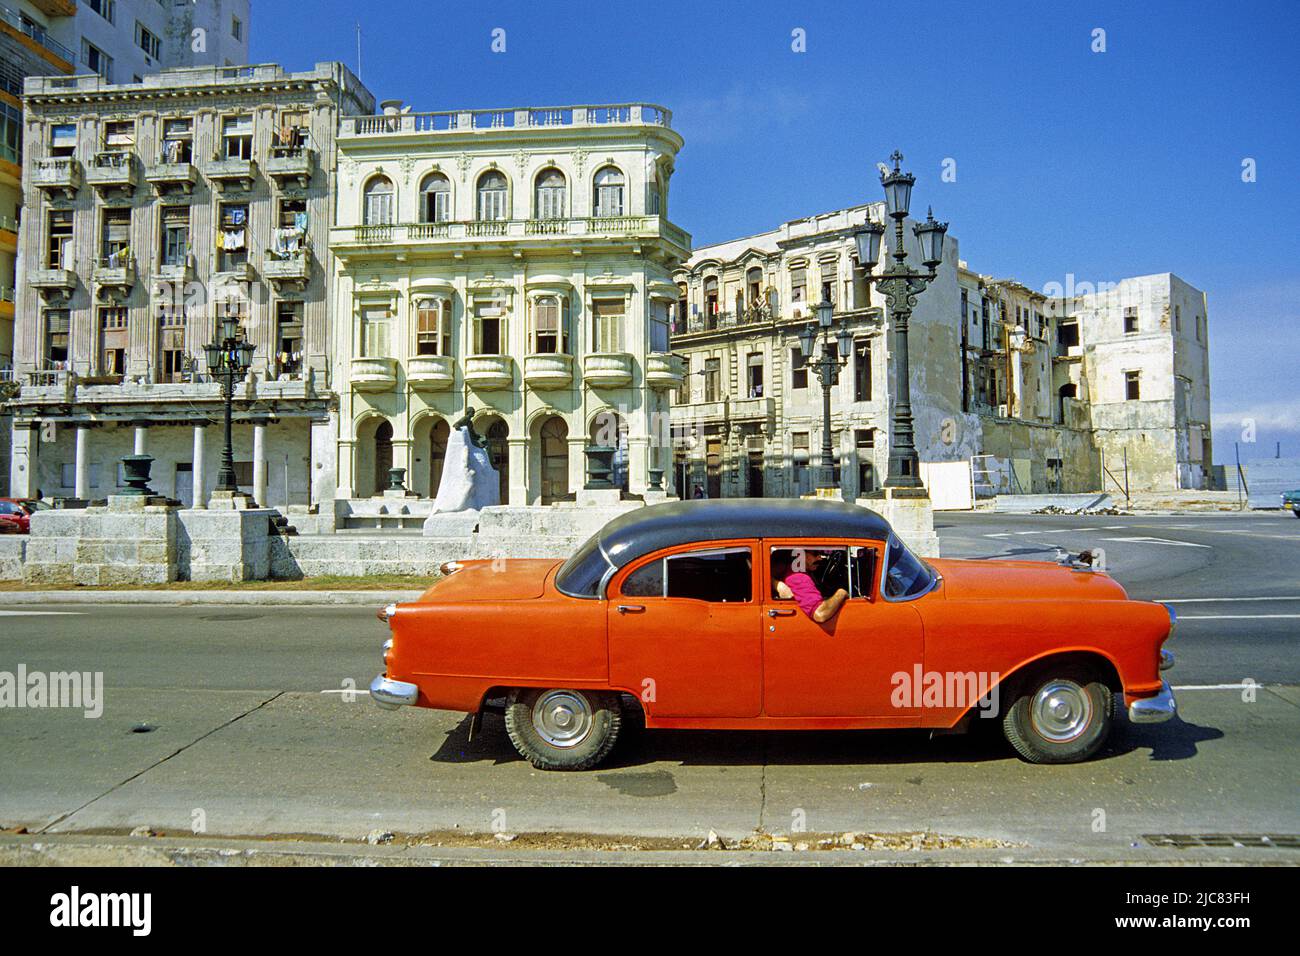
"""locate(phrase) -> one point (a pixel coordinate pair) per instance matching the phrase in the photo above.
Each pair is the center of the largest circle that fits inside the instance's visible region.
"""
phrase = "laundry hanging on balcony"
(232, 240)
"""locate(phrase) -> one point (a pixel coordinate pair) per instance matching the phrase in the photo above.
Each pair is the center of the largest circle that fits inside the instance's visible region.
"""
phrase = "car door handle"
(631, 608)
(779, 612)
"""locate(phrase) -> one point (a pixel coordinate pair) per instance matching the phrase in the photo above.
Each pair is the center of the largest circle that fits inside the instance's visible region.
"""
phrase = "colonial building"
(151, 208)
(515, 261)
(1038, 393)
(748, 422)
(115, 39)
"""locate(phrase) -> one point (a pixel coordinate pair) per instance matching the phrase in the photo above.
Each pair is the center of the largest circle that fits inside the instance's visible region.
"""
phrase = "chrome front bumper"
(392, 694)
(1153, 710)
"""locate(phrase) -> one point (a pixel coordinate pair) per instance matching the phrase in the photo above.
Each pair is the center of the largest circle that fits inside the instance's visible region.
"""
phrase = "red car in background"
(16, 514)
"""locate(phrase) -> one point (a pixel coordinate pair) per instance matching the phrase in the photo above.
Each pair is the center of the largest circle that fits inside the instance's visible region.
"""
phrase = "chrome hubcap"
(1061, 710)
(562, 718)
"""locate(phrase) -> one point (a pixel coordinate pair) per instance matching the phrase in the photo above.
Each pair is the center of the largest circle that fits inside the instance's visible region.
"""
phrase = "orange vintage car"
(679, 614)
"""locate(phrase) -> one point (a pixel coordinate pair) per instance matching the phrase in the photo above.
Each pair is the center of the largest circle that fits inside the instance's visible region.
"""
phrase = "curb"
(299, 598)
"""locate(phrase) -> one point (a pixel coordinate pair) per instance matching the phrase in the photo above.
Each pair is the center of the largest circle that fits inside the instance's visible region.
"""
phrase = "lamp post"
(836, 347)
(229, 358)
(901, 285)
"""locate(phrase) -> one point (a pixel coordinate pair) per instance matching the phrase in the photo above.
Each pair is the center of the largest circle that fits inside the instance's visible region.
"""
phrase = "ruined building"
(1071, 393)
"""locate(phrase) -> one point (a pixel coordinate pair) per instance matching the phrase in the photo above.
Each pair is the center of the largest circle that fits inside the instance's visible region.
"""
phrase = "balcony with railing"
(112, 173)
(57, 175)
(489, 372)
(53, 284)
(114, 275)
(36, 32)
(291, 270)
(362, 239)
(178, 270)
(431, 373)
(231, 172)
(607, 369)
(547, 117)
(373, 374)
(665, 370)
(548, 370)
(169, 175)
(290, 165)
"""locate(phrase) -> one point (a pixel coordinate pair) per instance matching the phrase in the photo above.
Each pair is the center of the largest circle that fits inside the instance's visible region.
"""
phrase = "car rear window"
(581, 575)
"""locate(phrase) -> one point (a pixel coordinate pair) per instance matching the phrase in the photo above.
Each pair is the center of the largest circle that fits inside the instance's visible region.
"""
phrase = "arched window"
(609, 192)
(492, 195)
(379, 202)
(550, 200)
(498, 449)
(435, 198)
(433, 327)
(655, 200)
(551, 324)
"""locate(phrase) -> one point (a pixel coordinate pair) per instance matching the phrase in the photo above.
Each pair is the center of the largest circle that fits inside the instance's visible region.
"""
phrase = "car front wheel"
(557, 729)
(1059, 718)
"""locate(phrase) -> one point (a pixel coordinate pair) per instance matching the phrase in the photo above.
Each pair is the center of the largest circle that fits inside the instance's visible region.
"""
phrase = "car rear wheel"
(558, 729)
(1059, 717)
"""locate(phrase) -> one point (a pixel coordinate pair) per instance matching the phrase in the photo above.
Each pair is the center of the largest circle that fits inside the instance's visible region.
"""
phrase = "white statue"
(469, 482)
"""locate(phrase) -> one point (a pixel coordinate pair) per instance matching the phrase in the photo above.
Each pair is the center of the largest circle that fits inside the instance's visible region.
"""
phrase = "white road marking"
(1213, 686)
(1167, 541)
(39, 613)
(1216, 600)
(1235, 617)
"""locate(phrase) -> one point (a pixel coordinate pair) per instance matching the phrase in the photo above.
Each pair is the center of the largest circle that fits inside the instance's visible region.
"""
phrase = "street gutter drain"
(1182, 841)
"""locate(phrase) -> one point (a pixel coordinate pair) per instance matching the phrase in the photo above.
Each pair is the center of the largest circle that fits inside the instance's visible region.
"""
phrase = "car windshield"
(581, 575)
(906, 575)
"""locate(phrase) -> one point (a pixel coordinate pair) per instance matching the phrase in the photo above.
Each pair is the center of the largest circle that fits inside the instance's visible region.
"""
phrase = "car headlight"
(386, 613)
(449, 567)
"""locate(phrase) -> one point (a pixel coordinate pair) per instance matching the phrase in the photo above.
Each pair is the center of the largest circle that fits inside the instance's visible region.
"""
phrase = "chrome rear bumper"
(1154, 710)
(392, 694)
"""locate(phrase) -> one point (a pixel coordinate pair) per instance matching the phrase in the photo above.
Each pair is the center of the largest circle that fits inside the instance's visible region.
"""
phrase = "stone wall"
(129, 541)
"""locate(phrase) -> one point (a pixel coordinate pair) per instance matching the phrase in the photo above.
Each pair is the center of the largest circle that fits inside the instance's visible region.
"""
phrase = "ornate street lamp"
(229, 358)
(901, 286)
(837, 345)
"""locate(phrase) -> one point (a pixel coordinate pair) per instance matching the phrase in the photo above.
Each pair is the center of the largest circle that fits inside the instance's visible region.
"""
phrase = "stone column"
(577, 462)
(402, 459)
(259, 463)
(518, 471)
(24, 461)
(324, 475)
(141, 439)
(638, 462)
(81, 487)
(1016, 386)
(200, 501)
(345, 463)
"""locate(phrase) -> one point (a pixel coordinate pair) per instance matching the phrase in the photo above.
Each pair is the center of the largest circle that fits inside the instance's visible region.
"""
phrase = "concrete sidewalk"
(245, 597)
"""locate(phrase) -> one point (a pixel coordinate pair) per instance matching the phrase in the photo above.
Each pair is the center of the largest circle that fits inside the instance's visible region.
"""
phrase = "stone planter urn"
(600, 466)
(137, 475)
(656, 479)
(396, 479)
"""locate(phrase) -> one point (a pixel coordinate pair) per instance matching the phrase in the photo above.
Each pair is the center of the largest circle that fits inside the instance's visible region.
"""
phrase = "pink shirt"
(806, 593)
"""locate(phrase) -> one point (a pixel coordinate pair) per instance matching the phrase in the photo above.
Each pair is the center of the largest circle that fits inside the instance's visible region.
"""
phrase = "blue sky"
(1101, 164)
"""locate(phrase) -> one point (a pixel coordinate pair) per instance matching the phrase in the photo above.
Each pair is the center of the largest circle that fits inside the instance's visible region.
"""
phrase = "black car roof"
(648, 529)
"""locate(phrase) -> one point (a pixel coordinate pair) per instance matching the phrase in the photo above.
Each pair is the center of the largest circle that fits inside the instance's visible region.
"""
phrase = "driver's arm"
(831, 606)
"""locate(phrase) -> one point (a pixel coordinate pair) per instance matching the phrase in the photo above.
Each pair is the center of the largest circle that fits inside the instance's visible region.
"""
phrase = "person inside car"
(792, 581)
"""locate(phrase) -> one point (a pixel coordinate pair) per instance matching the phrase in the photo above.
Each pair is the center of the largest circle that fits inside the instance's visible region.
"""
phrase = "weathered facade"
(152, 208)
(514, 261)
(1039, 393)
(749, 420)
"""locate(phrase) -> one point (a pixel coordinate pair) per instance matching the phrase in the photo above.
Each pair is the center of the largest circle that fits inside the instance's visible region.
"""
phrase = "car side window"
(645, 581)
(831, 567)
(718, 575)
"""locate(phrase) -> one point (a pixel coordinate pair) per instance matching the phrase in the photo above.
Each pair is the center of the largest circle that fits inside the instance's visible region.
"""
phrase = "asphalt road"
(242, 719)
